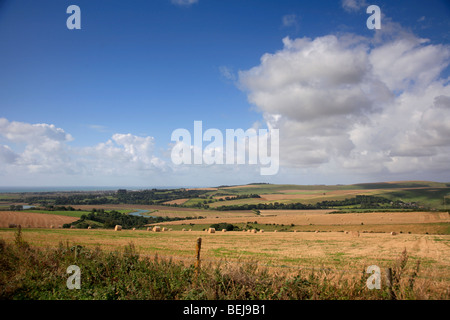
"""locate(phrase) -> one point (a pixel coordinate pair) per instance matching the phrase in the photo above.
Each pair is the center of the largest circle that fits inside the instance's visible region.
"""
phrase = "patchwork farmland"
(344, 237)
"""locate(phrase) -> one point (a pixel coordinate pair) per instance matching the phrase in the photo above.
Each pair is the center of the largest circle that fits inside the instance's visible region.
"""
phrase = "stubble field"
(33, 220)
(285, 251)
(333, 255)
(339, 244)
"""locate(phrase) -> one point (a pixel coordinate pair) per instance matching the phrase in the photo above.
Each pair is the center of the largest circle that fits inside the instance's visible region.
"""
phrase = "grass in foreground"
(31, 273)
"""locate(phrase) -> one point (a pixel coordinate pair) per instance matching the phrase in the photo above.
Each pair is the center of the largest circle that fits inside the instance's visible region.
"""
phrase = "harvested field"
(240, 202)
(177, 201)
(323, 240)
(322, 194)
(33, 220)
(301, 195)
(88, 207)
(323, 217)
(223, 197)
(301, 249)
(171, 212)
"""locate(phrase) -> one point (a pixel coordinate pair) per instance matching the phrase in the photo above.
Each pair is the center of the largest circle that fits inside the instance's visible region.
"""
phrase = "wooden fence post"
(389, 283)
(197, 262)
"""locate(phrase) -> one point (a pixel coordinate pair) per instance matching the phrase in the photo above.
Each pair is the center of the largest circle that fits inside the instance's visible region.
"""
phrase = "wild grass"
(40, 273)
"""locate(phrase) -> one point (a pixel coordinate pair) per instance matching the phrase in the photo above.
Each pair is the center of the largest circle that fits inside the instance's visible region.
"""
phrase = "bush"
(224, 225)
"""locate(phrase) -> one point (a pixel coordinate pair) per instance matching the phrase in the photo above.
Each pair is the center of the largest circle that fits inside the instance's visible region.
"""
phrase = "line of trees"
(240, 196)
(109, 219)
(224, 225)
(15, 207)
(156, 196)
(121, 196)
(363, 201)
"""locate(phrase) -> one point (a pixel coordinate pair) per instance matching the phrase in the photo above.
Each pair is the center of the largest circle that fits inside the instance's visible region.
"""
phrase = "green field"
(432, 195)
(425, 193)
(76, 214)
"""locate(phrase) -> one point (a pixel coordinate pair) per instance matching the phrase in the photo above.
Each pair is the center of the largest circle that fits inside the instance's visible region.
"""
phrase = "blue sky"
(146, 68)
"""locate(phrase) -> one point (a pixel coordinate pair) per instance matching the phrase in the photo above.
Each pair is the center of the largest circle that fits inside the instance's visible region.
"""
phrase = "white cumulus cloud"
(346, 102)
(354, 5)
(44, 149)
(184, 2)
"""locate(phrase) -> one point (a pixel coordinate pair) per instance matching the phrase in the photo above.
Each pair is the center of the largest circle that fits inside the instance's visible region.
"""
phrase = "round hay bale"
(118, 228)
(224, 230)
(393, 233)
(211, 230)
(149, 229)
(157, 229)
(355, 233)
(261, 231)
